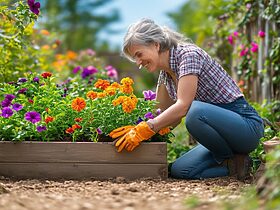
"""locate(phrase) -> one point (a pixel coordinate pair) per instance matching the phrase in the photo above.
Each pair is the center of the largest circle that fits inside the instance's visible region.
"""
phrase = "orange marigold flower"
(164, 131)
(76, 126)
(119, 100)
(102, 84)
(101, 95)
(69, 130)
(128, 106)
(110, 90)
(71, 55)
(92, 95)
(45, 32)
(115, 85)
(78, 104)
(127, 81)
(46, 74)
(126, 89)
(49, 119)
(79, 119)
(45, 47)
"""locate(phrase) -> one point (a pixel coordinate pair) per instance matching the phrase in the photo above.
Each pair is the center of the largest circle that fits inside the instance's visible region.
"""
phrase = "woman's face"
(147, 56)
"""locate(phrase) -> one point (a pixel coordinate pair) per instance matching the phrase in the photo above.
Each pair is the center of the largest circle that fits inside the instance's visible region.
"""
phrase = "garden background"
(56, 44)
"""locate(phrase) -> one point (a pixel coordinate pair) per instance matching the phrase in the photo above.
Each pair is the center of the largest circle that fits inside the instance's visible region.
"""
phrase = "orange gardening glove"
(120, 131)
(132, 139)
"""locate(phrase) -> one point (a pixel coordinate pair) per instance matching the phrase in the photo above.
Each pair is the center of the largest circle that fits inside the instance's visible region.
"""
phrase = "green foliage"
(179, 144)
(17, 53)
(273, 174)
(78, 21)
(271, 112)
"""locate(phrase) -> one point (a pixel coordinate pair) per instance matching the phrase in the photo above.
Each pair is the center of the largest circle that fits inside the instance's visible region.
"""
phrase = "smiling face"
(147, 56)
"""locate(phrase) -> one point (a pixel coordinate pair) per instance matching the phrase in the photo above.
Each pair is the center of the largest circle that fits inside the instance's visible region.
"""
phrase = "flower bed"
(36, 108)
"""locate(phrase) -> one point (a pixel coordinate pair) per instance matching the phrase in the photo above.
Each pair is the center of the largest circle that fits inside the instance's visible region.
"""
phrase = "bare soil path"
(117, 193)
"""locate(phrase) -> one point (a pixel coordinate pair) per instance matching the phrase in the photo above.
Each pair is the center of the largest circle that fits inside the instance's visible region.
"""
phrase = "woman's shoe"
(239, 166)
(243, 166)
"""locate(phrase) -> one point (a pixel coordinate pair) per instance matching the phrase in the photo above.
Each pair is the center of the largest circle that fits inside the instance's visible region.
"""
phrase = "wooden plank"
(80, 152)
(81, 170)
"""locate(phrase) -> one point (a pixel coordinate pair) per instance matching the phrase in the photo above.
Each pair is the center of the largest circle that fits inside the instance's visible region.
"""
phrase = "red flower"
(49, 119)
(76, 126)
(69, 130)
(79, 119)
(46, 74)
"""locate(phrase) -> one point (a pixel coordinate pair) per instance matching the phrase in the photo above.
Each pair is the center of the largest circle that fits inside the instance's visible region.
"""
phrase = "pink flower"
(261, 34)
(230, 39)
(112, 72)
(243, 51)
(248, 6)
(254, 47)
(235, 33)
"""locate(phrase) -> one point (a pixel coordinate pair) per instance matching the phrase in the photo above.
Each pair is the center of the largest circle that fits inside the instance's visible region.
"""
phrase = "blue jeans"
(222, 130)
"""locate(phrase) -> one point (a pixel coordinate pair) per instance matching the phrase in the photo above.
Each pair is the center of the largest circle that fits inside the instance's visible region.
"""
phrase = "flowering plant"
(35, 108)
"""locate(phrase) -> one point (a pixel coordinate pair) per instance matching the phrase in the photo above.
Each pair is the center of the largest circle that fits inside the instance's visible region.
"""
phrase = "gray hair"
(146, 32)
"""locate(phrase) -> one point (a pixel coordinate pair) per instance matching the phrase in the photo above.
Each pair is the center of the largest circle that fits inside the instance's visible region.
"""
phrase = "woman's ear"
(157, 45)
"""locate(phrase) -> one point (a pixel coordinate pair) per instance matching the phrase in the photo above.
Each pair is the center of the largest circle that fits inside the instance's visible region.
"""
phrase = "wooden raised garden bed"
(81, 160)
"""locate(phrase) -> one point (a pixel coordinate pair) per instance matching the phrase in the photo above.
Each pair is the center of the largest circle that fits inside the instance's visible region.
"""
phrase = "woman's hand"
(129, 137)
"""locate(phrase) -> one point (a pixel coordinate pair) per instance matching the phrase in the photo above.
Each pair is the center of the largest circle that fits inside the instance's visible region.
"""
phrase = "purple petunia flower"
(158, 111)
(10, 97)
(17, 107)
(139, 120)
(99, 131)
(149, 95)
(5, 103)
(36, 79)
(7, 112)
(34, 6)
(41, 128)
(33, 117)
(22, 91)
(76, 69)
(149, 115)
(22, 80)
(86, 73)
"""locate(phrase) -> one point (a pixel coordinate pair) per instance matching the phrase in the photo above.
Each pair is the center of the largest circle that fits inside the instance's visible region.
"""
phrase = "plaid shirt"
(214, 84)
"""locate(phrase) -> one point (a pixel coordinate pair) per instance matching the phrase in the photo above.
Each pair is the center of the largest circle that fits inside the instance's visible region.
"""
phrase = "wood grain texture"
(78, 160)
(81, 171)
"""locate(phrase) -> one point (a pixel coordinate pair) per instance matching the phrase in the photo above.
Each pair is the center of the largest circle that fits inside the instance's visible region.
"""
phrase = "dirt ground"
(144, 194)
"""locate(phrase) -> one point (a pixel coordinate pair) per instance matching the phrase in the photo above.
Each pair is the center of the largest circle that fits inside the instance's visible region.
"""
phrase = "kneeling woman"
(193, 85)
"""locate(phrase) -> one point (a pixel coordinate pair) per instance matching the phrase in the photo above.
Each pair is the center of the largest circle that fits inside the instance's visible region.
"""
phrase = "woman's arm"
(187, 87)
(165, 101)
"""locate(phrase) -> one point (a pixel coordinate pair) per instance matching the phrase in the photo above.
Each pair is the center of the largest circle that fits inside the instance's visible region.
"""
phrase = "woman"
(194, 85)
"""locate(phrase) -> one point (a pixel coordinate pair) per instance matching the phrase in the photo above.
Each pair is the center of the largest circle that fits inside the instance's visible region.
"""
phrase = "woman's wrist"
(151, 124)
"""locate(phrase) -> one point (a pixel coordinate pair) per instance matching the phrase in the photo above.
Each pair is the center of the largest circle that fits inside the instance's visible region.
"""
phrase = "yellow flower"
(127, 81)
(110, 90)
(101, 95)
(115, 85)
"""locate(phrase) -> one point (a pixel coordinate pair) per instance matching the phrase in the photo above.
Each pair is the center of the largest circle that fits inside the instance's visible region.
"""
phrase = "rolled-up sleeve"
(189, 63)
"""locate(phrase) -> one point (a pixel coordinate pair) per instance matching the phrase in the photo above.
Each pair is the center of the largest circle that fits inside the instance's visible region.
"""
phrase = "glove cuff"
(144, 130)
